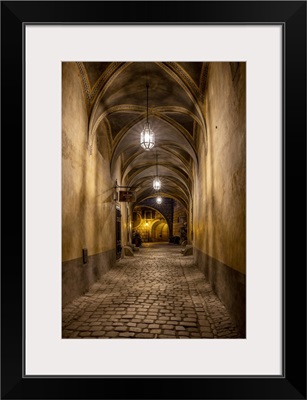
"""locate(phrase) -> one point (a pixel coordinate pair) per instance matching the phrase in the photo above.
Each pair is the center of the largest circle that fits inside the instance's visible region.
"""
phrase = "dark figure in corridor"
(137, 239)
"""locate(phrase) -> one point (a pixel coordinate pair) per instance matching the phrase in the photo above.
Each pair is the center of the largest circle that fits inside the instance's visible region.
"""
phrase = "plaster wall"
(88, 210)
(219, 200)
(219, 217)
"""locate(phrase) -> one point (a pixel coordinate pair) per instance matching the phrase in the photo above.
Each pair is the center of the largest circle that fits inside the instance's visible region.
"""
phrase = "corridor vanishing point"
(153, 200)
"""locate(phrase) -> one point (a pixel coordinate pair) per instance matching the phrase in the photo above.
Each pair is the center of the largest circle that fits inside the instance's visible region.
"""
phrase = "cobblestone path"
(156, 294)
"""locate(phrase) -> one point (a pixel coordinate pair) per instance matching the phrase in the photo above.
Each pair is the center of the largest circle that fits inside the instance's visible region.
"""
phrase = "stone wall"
(150, 224)
(159, 231)
(166, 209)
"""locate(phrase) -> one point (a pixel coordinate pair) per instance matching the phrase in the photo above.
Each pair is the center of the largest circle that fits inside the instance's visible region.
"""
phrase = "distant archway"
(160, 231)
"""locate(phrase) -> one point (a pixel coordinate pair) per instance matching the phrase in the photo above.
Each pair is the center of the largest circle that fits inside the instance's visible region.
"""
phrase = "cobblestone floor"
(156, 294)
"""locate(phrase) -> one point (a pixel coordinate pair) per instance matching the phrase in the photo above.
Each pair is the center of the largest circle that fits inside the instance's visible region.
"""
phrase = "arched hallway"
(153, 152)
(157, 294)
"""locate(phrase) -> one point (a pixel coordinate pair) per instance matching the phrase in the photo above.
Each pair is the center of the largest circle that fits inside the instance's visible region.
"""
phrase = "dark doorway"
(118, 234)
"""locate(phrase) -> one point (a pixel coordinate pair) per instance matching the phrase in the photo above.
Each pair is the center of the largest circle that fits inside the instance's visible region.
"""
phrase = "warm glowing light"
(157, 184)
(146, 223)
(159, 200)
(147, 137)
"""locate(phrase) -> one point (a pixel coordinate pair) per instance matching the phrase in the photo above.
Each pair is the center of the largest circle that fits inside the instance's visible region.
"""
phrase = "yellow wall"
(219, 193)
(88, 209)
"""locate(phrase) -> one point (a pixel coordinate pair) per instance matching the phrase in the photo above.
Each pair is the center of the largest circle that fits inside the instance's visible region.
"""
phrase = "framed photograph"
(161, 153)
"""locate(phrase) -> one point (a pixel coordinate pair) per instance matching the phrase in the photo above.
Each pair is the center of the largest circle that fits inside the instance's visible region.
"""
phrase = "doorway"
(118, 233)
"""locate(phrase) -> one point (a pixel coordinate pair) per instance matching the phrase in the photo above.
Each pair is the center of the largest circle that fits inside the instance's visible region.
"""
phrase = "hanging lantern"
(159, 200)
(156, 182)
(147, 135)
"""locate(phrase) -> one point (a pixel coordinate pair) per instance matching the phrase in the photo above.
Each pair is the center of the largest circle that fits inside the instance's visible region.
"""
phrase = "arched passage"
(150, 224)
(197, 111)
(159, 231)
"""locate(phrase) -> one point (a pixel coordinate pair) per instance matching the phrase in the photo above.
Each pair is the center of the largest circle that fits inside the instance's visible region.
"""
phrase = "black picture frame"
(292, 16)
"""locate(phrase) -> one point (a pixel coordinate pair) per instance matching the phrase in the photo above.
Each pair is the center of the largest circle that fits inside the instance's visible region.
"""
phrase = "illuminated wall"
(88, 209)
(219, 219)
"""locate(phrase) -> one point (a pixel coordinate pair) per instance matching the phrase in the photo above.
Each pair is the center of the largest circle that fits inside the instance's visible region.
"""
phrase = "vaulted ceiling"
(116, 99)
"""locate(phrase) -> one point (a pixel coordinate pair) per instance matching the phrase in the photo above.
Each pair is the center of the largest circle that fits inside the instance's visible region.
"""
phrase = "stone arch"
(159, 231)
